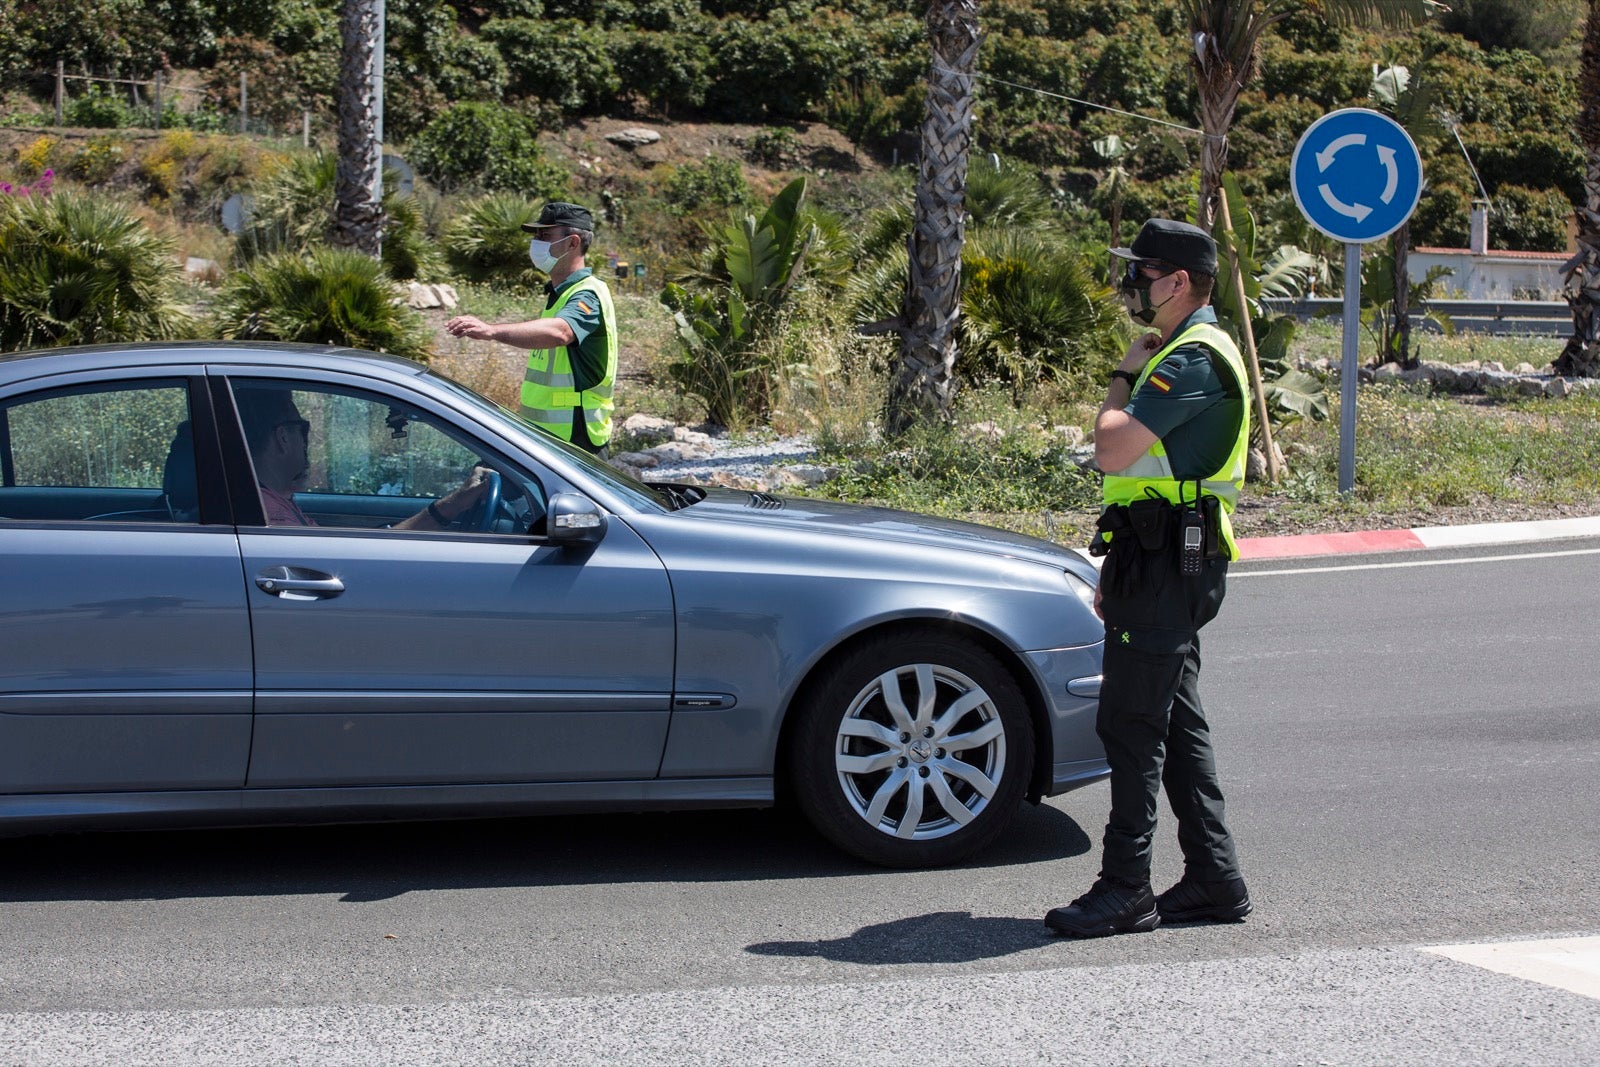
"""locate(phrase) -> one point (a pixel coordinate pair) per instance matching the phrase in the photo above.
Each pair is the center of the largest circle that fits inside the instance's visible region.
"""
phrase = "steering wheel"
(480, 517)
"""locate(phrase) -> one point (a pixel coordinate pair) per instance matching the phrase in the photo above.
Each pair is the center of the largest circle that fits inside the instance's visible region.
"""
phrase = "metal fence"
(1526, 318)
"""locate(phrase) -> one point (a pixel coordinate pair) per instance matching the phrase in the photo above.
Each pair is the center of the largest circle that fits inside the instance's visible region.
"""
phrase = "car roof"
(157, 353)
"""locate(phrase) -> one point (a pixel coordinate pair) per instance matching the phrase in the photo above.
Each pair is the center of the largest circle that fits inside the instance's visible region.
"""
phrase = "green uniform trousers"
(1150, 719)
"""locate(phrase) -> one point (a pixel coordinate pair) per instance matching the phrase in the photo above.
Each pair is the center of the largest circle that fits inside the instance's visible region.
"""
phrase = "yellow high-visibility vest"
(549, 390)
(1153, 471)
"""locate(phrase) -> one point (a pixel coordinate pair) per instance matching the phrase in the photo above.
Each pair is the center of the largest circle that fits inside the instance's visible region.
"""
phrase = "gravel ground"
(738, 459)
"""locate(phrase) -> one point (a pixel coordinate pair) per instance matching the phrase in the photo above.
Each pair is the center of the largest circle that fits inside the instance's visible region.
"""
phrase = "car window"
(109, 452)
(336, 457)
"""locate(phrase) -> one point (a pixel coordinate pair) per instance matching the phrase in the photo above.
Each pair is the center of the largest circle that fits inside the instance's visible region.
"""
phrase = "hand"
(468, 493)
(1139, 352)
(470, 326)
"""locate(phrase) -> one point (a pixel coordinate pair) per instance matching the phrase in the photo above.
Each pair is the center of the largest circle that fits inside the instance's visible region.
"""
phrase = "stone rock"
(1557, 387)
(1524, 368)
(677, 452)
(421, 296)
(694, 438)
(637, 460)
(633, 137)
(803, 474)
(1255, 469)
(1071, 436)
(1494, 366)
(1387, 372)
(648, 428)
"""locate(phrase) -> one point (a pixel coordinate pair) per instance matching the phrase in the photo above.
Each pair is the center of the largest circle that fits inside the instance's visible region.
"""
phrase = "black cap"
(558, 213)
(1175, 243)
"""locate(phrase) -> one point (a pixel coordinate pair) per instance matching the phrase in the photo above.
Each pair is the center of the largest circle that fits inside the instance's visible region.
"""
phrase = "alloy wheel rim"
(920, 752)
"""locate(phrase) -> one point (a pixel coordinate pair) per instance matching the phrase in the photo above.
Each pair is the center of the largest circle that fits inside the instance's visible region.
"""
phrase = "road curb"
(1489, 533)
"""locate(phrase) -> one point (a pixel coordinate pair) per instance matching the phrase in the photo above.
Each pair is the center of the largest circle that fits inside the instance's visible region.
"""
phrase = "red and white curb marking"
(1342, 544)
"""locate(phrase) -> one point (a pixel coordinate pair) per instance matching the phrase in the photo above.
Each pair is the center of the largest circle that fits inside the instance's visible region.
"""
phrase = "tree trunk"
(1581, 357)
(924, 384)
(1218, 79)
(358, 212)
(1401, 349)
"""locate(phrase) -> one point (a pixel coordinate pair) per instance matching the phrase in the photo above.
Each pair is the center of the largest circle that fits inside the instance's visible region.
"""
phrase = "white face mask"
(539, 253)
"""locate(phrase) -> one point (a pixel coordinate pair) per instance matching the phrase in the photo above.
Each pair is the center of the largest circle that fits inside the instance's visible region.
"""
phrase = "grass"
(1421, 459)
(1324, 339)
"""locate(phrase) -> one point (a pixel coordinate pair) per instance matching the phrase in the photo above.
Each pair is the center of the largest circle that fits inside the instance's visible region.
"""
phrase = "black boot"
(1107, 908)
(1192, 900)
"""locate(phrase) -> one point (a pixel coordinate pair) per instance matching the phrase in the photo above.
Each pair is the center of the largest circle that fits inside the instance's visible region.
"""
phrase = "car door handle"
(298, 583)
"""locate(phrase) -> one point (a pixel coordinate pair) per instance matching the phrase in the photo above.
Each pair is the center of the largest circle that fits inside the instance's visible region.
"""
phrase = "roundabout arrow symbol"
(1325, 157)
(1386, 157)
(1359, 212)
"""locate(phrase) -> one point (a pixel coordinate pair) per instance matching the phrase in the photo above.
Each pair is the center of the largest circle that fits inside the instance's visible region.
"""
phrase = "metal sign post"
(1356, 176)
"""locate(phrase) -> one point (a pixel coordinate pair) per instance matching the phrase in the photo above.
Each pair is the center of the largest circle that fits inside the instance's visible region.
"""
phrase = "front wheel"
(914, 752)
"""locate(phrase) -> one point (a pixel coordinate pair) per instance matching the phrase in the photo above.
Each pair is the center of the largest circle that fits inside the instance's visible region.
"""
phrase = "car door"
(124, 636)
(387, 656)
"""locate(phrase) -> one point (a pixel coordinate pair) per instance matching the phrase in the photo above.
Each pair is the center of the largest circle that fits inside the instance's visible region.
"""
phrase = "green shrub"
(714, 182)
(486, 242)
(670, 70)
(488, 146)
(80, 270)
(1031, 310)
(575, 74)
(326, 296)
(774, 146)
(97, 109)
(292, 210)
(1529, 220)
(98, 159)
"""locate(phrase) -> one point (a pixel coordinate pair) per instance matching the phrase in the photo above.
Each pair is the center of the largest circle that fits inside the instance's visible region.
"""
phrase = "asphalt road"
(1411, 749)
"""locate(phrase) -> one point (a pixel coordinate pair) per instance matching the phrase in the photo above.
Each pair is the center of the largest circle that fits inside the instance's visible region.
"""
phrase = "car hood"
(884, 524)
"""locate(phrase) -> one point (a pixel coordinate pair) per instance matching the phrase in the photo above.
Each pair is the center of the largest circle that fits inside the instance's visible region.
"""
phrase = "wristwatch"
(1127, 376)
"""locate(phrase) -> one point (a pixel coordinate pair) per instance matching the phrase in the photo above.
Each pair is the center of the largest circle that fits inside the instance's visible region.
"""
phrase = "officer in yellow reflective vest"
(572, 366)
(1172, 437)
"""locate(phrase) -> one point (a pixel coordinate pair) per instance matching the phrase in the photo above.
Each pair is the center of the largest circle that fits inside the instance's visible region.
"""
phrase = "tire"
(880, 777)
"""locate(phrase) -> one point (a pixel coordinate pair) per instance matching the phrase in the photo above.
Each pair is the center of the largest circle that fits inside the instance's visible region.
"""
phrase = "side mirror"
(575, 520)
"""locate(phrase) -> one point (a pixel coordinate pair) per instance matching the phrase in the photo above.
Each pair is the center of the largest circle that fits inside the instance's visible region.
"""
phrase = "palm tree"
(1409, 101)
(1227, 37)
(1581, 357)
(924, 383)
(358, 211)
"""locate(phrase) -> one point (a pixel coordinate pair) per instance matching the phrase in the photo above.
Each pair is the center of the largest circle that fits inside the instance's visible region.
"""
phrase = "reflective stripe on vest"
(1153, 470)
(549, 389)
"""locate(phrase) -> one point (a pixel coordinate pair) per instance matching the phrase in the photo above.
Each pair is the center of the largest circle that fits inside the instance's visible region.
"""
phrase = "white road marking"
(1571, 963)
(1234, 575)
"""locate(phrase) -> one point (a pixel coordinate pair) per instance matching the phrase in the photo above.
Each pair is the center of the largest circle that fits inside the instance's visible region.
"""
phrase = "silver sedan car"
(273, 583)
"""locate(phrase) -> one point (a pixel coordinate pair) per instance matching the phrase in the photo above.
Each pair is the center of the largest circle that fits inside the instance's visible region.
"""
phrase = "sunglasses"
(1133, 276)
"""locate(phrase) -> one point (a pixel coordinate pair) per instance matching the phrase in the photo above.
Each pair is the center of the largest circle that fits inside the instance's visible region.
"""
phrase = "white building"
(1482, 273)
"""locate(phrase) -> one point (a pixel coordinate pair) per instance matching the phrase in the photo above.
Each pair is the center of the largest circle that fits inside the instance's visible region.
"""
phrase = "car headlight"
(1081, 589)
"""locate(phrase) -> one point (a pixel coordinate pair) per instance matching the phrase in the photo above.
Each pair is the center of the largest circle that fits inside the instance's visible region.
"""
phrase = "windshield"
(637, 493)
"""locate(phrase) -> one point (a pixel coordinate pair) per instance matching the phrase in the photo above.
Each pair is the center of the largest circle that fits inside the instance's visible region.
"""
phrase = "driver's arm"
(448, 508)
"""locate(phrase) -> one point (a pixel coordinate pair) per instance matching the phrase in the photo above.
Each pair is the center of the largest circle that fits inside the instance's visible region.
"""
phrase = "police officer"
(1172, 438)
(572, 368)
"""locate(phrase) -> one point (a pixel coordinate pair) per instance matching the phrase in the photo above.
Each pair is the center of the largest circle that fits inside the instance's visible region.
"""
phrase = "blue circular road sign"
(1356, 175)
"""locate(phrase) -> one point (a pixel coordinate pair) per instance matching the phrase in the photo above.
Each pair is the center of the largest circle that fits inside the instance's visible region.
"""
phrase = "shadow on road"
(942, 937)
(379, 862)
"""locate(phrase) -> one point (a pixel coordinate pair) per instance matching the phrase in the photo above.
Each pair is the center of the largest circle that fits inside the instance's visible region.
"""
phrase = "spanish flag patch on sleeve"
(1160, 383)
(583, 306)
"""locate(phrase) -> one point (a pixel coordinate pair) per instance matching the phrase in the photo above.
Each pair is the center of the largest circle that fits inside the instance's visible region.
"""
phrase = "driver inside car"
(280, 440)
